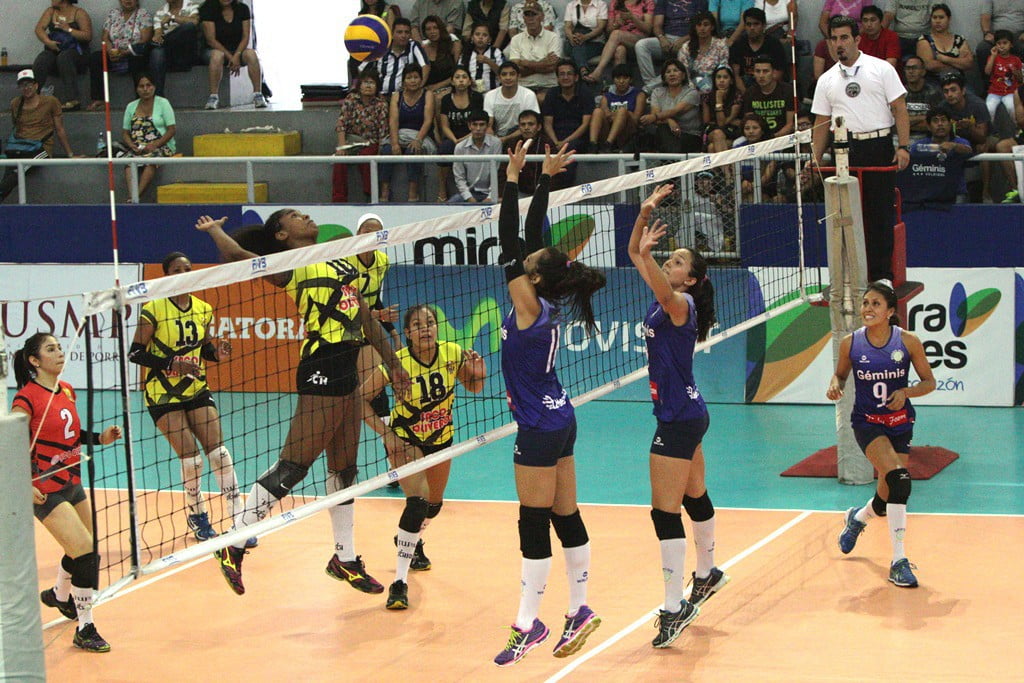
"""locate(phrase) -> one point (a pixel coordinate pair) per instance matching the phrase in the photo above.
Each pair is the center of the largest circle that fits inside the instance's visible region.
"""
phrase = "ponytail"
(257, 239)
(703, 293)
(571, 283)
(23, 370)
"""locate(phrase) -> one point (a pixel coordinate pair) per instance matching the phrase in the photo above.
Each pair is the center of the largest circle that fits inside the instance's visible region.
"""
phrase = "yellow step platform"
(288, 143)
(209, 193)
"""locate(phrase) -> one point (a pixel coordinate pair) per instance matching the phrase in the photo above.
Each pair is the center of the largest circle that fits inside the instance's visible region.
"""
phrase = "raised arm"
(473, 371)
(229, 249)
(641, 243)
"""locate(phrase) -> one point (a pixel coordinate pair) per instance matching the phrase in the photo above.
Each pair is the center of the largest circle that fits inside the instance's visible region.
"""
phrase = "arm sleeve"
(90, 438)
(508, 232)
(534, 229)
(209, 352)
(379, 305)
(140, 356)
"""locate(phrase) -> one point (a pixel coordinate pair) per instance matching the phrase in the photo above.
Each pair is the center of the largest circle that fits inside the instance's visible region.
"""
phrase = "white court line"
(646, 619)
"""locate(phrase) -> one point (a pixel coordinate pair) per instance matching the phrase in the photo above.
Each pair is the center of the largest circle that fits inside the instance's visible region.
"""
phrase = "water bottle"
(3, 56)
(101, 144)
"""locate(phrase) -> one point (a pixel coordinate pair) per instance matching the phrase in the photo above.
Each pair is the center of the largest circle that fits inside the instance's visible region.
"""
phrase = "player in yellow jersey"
(421, 424)
(172, 342)
(327, 413)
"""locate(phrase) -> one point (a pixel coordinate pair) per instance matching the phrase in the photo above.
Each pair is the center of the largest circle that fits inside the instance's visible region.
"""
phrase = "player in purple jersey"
(540, 280)
(682, 313)
(879, 355)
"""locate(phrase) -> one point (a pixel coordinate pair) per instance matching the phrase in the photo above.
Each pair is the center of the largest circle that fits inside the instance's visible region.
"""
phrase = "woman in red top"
(61, 503)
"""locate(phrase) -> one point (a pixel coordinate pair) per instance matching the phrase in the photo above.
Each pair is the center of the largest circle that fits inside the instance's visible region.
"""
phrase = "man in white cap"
(35, 118)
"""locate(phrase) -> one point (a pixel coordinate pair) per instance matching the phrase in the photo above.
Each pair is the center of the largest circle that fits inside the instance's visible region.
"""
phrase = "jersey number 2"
(69, 421)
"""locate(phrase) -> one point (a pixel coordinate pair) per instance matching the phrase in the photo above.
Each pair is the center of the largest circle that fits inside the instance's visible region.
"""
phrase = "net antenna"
(847, 269)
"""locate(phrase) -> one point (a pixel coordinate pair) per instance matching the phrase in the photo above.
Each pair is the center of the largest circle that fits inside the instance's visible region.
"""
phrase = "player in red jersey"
(61, 503)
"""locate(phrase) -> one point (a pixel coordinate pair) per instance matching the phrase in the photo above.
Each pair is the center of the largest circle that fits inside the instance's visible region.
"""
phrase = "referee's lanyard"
(849, 74)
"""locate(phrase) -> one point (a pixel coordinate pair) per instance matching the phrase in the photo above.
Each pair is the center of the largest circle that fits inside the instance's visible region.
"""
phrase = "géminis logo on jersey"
(964, 314)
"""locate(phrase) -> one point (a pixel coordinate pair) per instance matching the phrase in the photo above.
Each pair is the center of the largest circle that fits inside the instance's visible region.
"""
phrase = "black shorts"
(72, 493)
(679, 439)
(544, 449)
(201, 400)
(867, 433)
(430, 449)
(332, 370)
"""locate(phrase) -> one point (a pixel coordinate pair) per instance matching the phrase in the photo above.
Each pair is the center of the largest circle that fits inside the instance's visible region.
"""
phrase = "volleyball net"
(742, 208)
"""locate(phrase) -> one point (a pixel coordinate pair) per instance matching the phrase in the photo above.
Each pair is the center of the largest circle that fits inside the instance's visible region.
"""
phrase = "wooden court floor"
(795, 610)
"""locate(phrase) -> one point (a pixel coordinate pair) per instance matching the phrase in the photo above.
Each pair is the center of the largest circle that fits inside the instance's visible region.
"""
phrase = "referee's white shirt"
(860, 94)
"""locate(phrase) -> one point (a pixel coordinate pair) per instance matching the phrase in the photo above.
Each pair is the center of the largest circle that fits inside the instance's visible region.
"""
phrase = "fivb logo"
(382, 237)
(962, 316)
(136, 290)
(258, 264)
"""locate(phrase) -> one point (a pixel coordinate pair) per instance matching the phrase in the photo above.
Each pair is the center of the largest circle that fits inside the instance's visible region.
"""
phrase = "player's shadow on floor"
(912, 607)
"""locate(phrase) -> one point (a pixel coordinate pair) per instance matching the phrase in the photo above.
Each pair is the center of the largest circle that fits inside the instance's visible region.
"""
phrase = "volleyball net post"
(848, 274)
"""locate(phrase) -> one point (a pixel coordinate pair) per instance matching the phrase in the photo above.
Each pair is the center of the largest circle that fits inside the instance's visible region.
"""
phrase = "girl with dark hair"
(720, 110)
(410, 122)
(453, 122)
(882, 417)
(540, 280)
(147, 129)
(173, 344)
(704, 51)
(421, 424)
(443, 50)
(336, 319)
(675, 111)
(60, 502)
(681, 315)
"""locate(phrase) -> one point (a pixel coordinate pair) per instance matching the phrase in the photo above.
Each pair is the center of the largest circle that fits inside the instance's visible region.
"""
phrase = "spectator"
(940, 50)
(1004, 72)
(845, 8)
(378, 8)
(811, 187)
(616, 119)
(483, 60)
(703, 51)
(227, 25)
(65, 32)
(504, 104)
(147, 129)
(777, 18)
(922, 96)
(910, 19)
(175, 40)
(675, 111)
(404, 51)
(493, 13)
(751, 46)
(769, 100)
(473, 179)
(628, 22)
(567, 109)
(529, 129)
(876, 40)
(443, 51)
(970, 121)
(729, 14)
(1000, 14)
(936, 171)
(517, 22)
(127, 32)
(536, 51)
(670, 27)
(1005, 146)
(34, 117)
(720, 111)
(756, 130)
(363, 122)
(714, 212)
(824, 58)
(585, 21)
(410, 121)
(453, 122)
(450, 12)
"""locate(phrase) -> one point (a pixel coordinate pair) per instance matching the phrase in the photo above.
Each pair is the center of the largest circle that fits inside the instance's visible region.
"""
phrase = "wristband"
(905, 148)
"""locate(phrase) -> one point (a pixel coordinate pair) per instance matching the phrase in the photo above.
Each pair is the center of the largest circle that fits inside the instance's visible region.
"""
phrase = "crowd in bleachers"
(678, 76)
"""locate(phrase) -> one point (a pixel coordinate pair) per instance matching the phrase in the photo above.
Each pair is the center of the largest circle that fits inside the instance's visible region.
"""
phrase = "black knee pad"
(85, 571)
(699, 509)
(878, 505)
(434, 509)
(280, 478)
(534, 532)
(380, 404)
(67, 564)
(570, 529)
(667, 525)
(899, 486)
(413, 515)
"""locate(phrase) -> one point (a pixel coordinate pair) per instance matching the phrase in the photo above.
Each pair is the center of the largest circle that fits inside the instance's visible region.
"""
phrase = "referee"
(867, 93)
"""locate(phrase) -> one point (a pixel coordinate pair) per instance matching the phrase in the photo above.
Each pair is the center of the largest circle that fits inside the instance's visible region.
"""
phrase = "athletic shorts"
(72, 493)
(332, 370)
(679, 439)
(201, 400)
(430, 449)
(544, 449)
(867, 433)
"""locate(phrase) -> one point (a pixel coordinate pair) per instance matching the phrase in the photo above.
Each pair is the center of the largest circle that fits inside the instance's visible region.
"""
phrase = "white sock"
(866, 513)
(343, 521)
(406, 548)
(224, 472)
(257, 506)
(897, 516)
(673, 557)
(577, 569)
(191, 478)
(62, 586)
(83, 605)
(534, 581)
(704, 543)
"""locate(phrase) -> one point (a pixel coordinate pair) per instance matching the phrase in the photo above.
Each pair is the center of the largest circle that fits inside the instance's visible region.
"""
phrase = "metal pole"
(250, 183)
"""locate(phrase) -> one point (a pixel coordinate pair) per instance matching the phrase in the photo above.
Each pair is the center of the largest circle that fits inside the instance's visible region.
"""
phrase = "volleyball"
(367, 38)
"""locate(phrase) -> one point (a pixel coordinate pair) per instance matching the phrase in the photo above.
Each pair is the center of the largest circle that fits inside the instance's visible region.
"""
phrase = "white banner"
(965, 319)
(41, 297)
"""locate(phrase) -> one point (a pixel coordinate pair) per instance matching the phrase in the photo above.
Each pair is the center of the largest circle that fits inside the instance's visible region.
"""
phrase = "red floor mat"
(925, 462)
